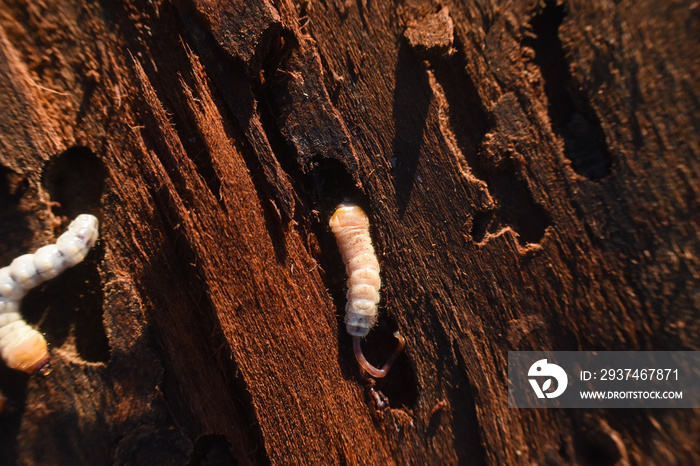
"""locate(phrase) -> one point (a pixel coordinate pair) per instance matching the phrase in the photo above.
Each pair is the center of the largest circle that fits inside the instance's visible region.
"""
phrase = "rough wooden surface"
(531, 172)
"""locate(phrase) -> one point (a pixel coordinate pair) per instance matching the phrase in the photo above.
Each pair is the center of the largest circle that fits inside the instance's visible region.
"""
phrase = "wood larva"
(21, 346)
(350, 225)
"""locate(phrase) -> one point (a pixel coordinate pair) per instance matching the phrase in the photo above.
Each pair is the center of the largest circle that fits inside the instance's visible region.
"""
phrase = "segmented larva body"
(350, 225)
(21, 346)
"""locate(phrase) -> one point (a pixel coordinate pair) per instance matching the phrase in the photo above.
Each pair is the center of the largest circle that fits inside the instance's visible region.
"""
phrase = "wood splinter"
(350, 225)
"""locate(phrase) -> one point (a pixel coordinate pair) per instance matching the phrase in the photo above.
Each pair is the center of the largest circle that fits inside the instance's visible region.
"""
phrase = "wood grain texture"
(530, 170)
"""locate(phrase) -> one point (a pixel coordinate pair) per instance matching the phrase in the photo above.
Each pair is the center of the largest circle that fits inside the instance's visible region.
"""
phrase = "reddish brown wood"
(531, 174)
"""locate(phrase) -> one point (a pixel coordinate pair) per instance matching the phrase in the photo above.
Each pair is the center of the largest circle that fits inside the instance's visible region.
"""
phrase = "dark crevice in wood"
(459, 389)
(594, 446)
(399, 386)
(334, 83)
(469, 119)
(152, 444)
(13, 385)
(75, 180)
(352, 69)
(273, 77)
(410, 109)
(212, 450)
(197, 151)
(330, 184)
(483, 223)
(14, 225)
(327, 186)
(90, 336)
(572, 117)
(516, 208)
(89, 86)
(9, 432)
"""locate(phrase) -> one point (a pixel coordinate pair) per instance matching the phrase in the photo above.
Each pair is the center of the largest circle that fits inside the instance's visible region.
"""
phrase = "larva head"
(27, 352)
(348, 215)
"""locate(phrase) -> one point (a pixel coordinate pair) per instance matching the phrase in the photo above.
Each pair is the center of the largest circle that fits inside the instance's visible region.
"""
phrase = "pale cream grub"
(350, 225)
(21, 346)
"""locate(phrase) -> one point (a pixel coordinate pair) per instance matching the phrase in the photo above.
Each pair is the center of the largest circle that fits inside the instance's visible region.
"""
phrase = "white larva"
(350, 225)
(21, 346)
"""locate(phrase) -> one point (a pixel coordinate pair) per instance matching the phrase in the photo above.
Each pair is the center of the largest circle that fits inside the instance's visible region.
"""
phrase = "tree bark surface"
(530, 170)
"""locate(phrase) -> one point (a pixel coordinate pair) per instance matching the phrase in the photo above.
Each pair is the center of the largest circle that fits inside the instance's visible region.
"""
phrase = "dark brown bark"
(530, 170)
